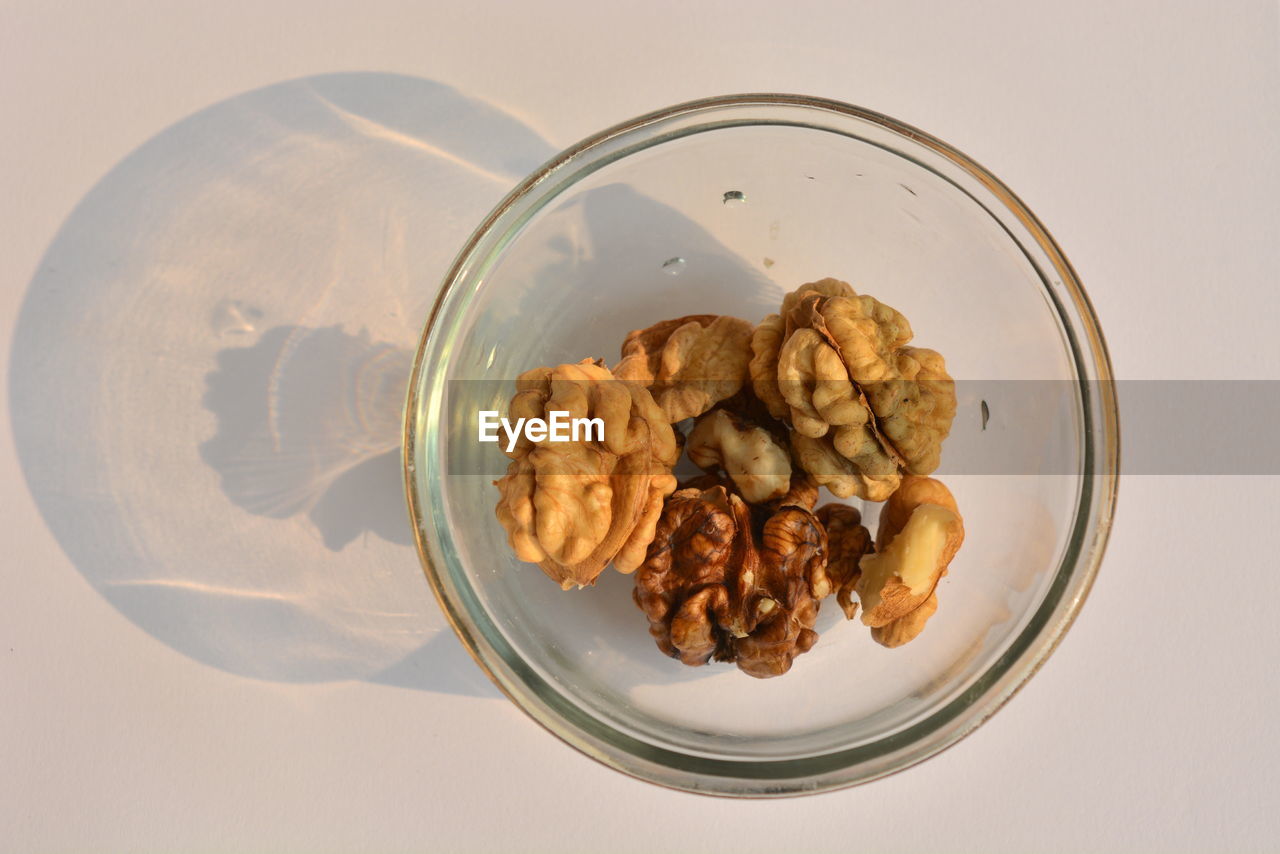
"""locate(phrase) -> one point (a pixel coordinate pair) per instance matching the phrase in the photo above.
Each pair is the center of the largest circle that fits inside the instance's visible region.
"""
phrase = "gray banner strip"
(1019, 427)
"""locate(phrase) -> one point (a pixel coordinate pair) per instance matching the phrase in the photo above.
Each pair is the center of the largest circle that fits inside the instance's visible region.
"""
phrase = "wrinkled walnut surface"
(690, 363)
(915, 410)
(872, 475)
(906, 628)
(719, 584)
(835, 365)
(732, 565)
(895, 608)
(572, 507)
(847, 541)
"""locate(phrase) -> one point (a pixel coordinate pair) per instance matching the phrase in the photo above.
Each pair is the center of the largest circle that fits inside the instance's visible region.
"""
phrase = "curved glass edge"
(923, 739)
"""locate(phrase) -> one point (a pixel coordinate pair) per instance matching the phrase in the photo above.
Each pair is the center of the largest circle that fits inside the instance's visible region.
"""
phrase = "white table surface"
(212, 643)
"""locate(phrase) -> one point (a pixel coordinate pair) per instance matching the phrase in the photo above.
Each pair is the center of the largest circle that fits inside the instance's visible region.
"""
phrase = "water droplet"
(734, 196)
(768, 262)
(673, 266)
(986, 414)
(233, 317)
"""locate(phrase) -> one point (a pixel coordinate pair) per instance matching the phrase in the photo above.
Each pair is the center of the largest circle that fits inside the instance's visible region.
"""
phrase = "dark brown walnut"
(688, 364)
(847, 541)
(574, 507)
(721, 583)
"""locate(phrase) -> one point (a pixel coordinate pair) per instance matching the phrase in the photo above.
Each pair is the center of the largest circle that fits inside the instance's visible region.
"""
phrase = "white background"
(1145, 135)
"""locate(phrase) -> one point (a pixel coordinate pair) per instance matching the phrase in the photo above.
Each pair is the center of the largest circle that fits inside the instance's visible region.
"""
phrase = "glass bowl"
(722, 206)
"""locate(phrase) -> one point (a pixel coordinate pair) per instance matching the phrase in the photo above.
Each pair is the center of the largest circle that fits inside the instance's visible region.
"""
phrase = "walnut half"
(572, 507)
(920, 532)
(718, 584)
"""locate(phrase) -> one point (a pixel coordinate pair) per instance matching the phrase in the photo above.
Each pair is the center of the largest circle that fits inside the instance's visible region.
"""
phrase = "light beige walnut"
(920, 406)
(768, 337)
(906, 628)
(827, 287)
(688, 364)
(766, 342)
(749, 454)
(573, 507)
(919, 534)
(914, 492)
(866, 332)
(873, 475)
(836, 364)
(816, 386)
(652, 481)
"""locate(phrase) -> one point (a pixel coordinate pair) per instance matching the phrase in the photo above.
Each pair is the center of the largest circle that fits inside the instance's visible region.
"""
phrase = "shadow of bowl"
(208, 370)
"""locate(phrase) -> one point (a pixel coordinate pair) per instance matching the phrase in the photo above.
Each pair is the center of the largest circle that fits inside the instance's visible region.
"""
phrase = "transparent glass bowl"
(722, 206)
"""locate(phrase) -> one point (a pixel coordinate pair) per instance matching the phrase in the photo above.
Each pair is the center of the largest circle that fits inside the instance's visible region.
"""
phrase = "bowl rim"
(1097, 501)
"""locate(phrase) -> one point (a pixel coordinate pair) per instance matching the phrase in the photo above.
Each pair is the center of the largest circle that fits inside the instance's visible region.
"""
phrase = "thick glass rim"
(781, 777)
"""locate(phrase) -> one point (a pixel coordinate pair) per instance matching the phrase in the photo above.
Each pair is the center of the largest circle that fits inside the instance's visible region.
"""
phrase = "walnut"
(720, 584)
(690, 363)
(870, 475)
(917, 408)
(572, 507)
(772, 333)
(920, 532)
(803, 492)
(847, 541)
(908, 627)
(835, 364)
(815, 383)
(757, 463)
(766, 341)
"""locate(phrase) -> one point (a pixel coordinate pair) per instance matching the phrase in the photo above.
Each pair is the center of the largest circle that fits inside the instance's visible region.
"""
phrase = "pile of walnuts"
(733, 565)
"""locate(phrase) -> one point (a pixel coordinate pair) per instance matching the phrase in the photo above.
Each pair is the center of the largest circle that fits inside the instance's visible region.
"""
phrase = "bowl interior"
(726, 218)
